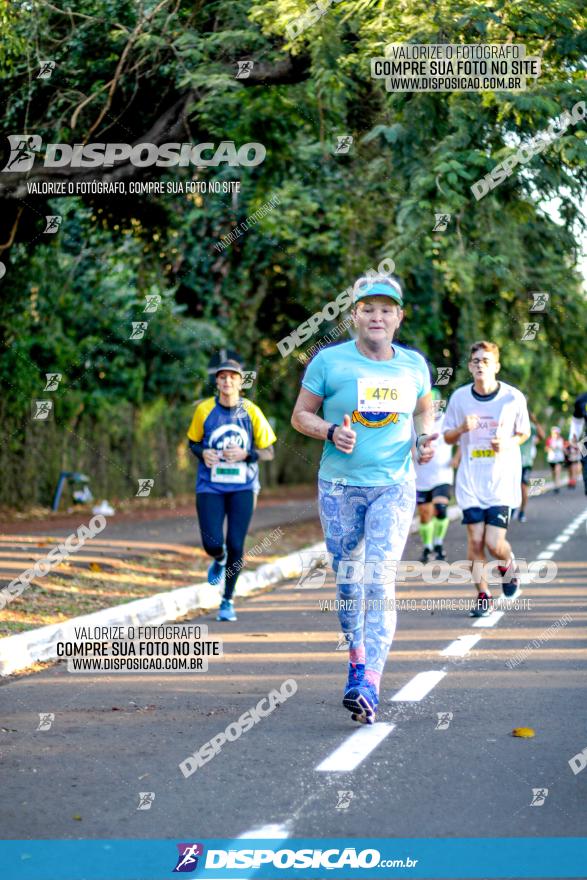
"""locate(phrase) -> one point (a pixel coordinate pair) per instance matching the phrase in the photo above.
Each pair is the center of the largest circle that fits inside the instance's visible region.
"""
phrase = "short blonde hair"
(483, 345)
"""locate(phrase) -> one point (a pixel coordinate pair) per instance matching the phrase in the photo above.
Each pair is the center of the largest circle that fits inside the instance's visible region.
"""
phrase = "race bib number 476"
(385, 395)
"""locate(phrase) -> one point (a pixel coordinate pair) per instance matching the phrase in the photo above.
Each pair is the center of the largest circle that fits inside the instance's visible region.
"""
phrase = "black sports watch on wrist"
(331, 431)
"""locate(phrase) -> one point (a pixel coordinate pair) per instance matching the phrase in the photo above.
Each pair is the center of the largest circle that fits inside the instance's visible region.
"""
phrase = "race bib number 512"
(385, 395)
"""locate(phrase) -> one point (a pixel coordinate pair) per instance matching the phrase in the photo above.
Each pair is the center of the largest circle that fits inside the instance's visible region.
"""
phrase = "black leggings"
(212, 509)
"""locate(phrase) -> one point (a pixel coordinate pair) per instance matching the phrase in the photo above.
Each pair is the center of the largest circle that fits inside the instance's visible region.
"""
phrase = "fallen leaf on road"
(526, 732)
(95, 566)
(77, 818)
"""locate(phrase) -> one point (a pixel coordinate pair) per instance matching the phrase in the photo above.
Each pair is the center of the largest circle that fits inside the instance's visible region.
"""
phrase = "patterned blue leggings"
(368, 525)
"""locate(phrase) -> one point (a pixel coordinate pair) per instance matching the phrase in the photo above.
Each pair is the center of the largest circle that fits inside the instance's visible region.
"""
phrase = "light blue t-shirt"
(382, 453)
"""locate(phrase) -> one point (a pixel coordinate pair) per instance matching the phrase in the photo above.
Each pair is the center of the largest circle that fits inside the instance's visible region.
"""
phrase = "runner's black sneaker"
(483, 606)
(512, 588)
(439, 550)
(425, 555)
(510, 581)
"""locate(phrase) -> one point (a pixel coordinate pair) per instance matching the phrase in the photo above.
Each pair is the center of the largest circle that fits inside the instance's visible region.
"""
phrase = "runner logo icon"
(46, 69)
(539, 795)
(42, 410)
(344, 799)
(187, 860)
(539, 302)
(343, 143)
(23, 149)
(313, 572)
(46, 719)
(53, 380)
(146, 799)
(444, 719)
(344, 640)
(441, 222)
(536, 486)
(244, 69)
(52, 224)
(530, 332)
(443, 375)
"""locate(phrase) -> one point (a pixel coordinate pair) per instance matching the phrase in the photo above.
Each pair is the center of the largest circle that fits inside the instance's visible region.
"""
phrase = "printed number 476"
(384, 393)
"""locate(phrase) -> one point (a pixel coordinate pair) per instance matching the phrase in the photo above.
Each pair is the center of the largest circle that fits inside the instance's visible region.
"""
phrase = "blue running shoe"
(226, 611)
(216, 571)
(363, 702)
(356, 673)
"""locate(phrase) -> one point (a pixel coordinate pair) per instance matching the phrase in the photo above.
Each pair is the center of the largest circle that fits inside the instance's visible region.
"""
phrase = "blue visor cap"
(379, 288)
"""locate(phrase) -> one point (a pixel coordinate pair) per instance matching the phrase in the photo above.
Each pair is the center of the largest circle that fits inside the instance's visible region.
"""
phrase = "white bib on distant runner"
(486, 478)
(229, 472)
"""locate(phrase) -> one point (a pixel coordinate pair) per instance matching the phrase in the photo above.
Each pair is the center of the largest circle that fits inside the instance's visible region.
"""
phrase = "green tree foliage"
(165, 71)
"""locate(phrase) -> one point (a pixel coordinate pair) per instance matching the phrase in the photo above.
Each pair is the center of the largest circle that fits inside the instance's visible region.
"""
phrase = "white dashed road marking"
(491, 620)
(420, 685)
(355, 749)
(360, 744)
(273, 831)
(460, 646)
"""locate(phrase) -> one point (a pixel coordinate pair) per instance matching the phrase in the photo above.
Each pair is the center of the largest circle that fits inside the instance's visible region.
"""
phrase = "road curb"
(20, 651)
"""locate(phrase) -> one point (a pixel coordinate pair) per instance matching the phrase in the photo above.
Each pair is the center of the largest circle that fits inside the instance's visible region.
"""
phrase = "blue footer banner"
(508, 857)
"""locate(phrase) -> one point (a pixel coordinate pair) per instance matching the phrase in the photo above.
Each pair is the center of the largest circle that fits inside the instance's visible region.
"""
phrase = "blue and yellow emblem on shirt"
(374, 419)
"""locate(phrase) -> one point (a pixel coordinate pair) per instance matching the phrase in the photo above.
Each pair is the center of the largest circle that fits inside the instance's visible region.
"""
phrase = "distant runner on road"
(368, 390)
(572, 463)
(578, 432)
(228, 435)
(433, 489)
(489, 419)
(555, 455)
(528, 452)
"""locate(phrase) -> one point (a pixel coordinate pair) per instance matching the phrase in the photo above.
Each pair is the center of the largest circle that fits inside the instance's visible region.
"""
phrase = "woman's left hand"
(235, 453)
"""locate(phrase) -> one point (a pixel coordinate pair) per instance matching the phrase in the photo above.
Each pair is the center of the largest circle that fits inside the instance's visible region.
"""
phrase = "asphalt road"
(158, 526)
(126, 551)
(115, 736)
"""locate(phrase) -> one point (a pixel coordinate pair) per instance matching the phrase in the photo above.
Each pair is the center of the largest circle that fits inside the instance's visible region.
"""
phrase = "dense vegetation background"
(165, 71)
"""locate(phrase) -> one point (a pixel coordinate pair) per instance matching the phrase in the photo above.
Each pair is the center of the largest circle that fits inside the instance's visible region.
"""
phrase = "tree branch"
(292, 70)
(9, 243)
(120, 66)
(165, 128)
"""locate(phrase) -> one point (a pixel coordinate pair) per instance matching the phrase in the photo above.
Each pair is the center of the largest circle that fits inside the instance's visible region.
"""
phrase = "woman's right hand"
(344, 437)
(210, 457)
